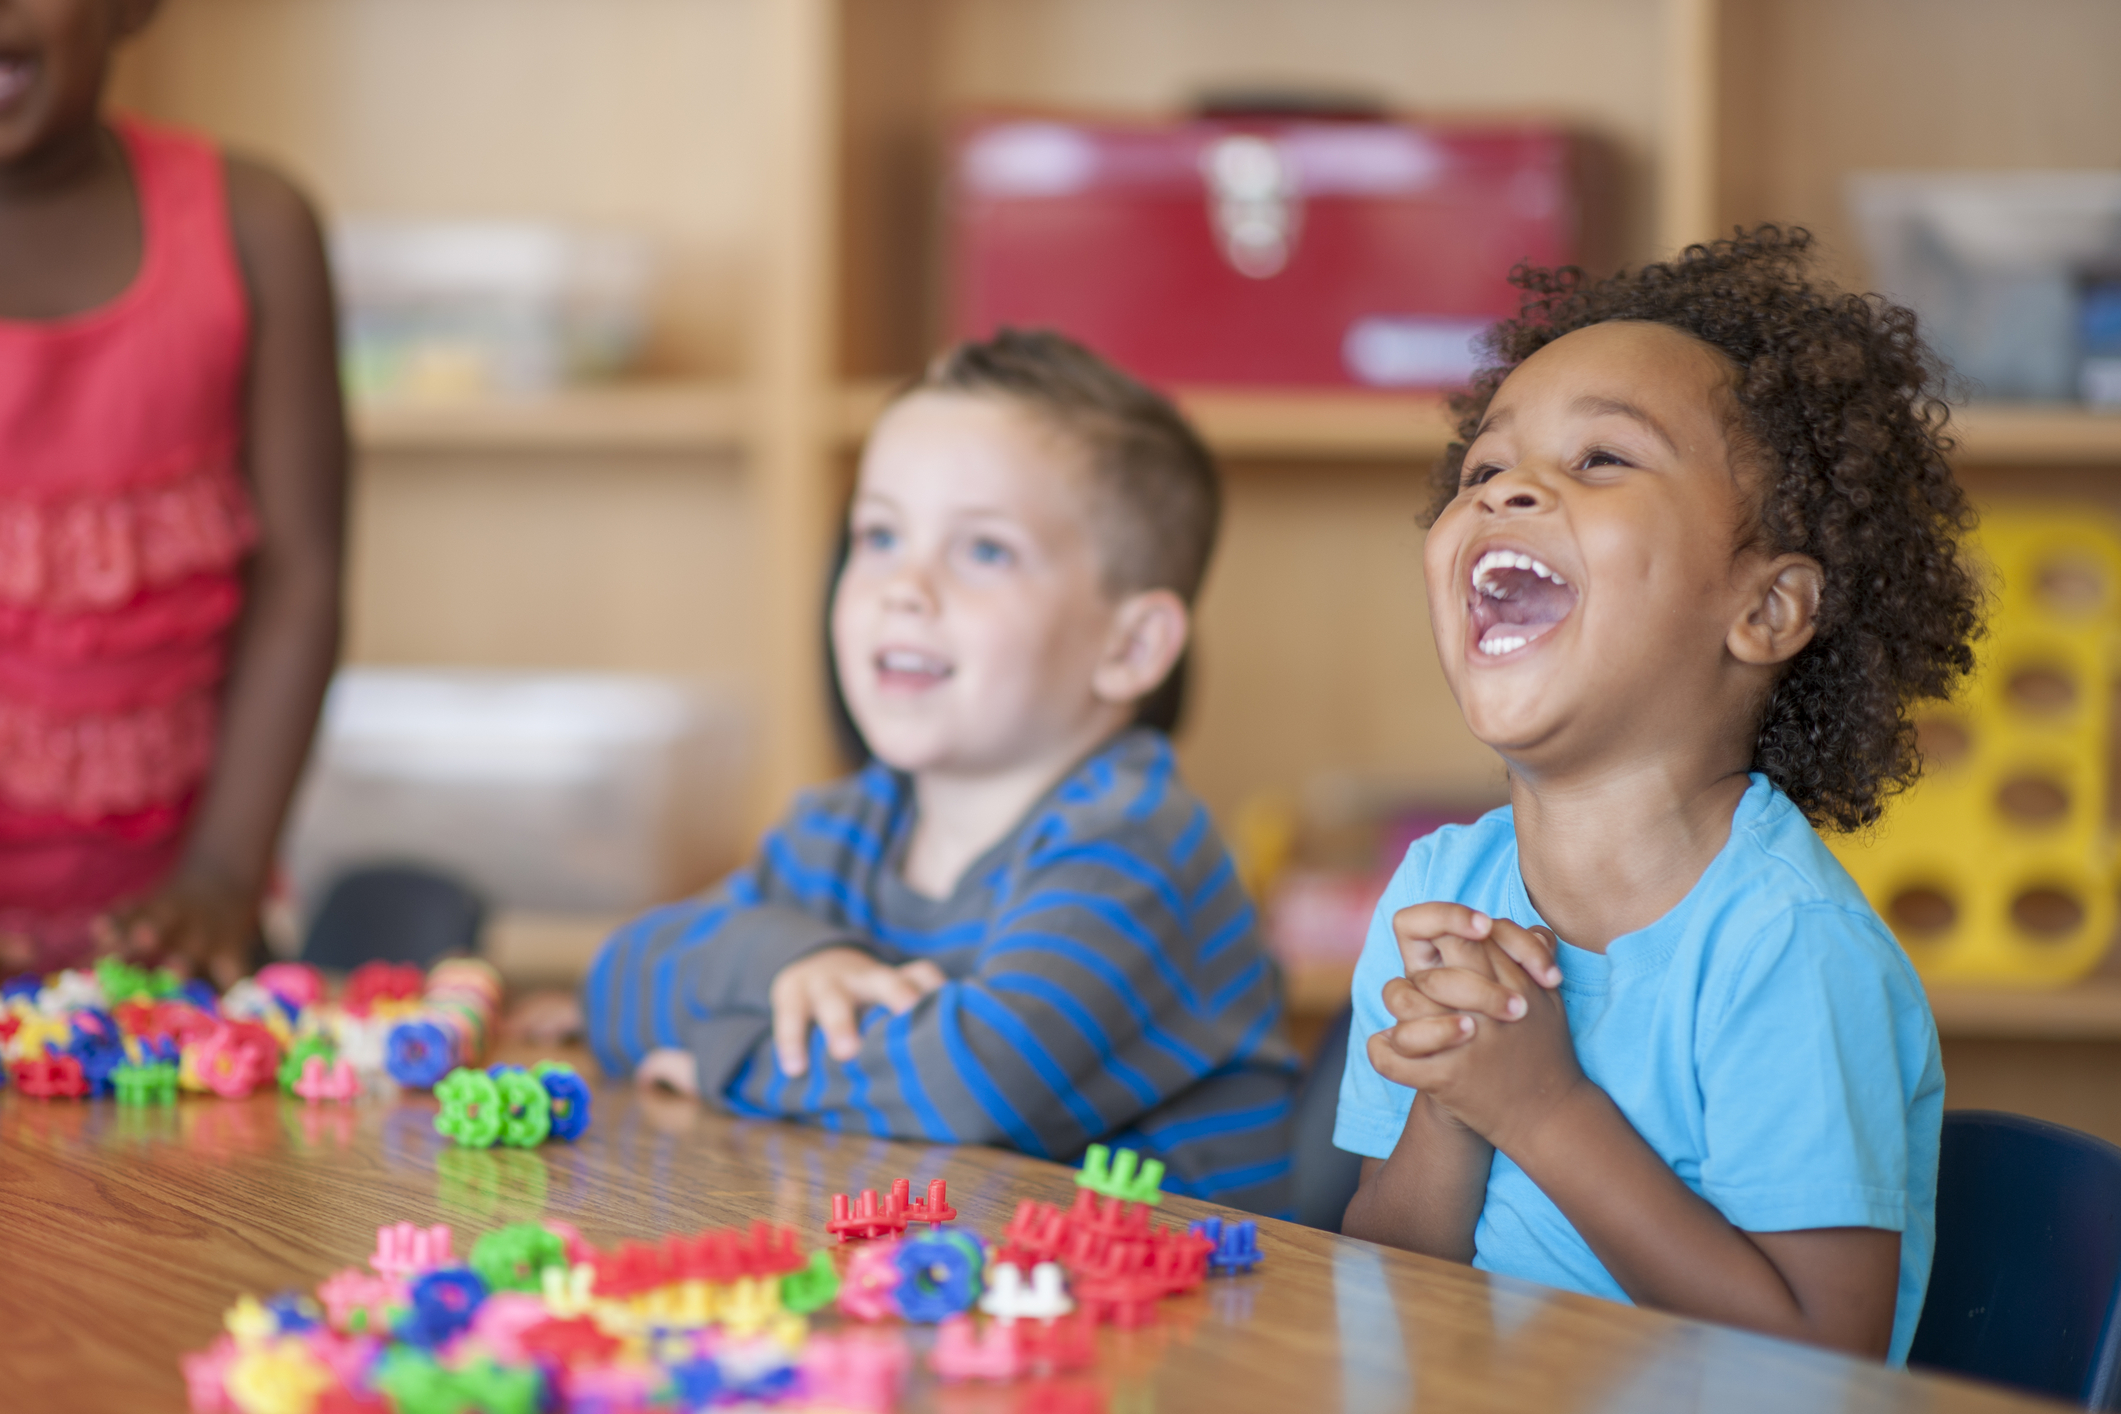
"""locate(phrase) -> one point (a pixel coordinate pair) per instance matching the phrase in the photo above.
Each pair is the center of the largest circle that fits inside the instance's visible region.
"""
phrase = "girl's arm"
(1517, 1082)
(205, 915)
(1427, 1196)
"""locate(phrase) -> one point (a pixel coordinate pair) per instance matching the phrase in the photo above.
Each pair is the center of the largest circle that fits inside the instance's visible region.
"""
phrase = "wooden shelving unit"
(681, 417)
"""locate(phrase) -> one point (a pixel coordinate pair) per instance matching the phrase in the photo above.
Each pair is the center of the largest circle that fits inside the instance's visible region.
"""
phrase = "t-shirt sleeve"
(1373, 1110)
(1807, 1067)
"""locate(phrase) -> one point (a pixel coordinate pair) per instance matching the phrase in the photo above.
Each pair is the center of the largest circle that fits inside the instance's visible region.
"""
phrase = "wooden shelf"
(2037, 434)
(1263, 425)
(626, 417)
(2088, 1011)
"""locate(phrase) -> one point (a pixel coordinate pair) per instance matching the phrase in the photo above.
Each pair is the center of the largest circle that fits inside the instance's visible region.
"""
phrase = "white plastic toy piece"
(362, 1041)
(72, 991)
(247, 1001)
(1008, 1299)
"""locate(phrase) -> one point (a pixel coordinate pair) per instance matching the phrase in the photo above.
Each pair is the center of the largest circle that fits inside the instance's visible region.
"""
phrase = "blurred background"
(624, 282)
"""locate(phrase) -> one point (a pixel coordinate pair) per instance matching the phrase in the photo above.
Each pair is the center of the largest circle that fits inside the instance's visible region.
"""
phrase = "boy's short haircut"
(1157, 481)
(1838, 407)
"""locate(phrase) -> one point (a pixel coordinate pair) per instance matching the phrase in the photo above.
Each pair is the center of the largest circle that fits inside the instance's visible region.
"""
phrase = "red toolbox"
(1289, 252)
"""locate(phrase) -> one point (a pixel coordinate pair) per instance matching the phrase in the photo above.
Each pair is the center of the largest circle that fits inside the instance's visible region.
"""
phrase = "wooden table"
(124, 1234)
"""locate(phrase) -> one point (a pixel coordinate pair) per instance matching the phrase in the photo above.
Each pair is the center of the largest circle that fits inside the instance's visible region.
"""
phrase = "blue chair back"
(1325, 1176)
(2023, 1290)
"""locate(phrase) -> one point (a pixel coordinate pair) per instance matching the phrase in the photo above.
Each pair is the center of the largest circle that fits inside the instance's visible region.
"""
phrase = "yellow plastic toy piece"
(282, 1378)
(1999, 866)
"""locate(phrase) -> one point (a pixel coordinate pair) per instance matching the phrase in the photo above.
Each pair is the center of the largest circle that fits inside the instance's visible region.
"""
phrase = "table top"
(126, 1232)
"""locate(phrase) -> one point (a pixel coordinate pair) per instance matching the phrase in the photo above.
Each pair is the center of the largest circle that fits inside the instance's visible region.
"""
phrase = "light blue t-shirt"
(1767, 1037)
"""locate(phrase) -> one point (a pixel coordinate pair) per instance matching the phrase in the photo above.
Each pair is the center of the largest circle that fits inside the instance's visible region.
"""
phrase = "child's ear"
(1149, 632)
(1783, 614)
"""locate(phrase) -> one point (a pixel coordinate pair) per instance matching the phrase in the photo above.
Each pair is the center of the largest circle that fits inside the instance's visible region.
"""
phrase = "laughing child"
(1017, 926)
(1637, 1034)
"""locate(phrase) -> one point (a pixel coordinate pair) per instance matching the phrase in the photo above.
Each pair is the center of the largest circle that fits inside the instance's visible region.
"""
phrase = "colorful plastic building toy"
(471, 1112)
(443, 1303)
(236, 1059)
(939, 1275)
(300, 1051)
(859, 1371)
(515, 1258)
(56, 1077)
(864, 1218)
(526, 1109)
(569, 1097)
(963, 1353)
(152, 1084)
(404, 1249)
(327, 1080)
(1124, 1176)
(869, 1286)
(1007, 1298)
(456, 1013)
(813, 1288)
(1236, 1245)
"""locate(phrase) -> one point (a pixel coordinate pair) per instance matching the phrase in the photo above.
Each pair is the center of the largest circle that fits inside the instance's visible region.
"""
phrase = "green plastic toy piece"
(417, 1384)
(1125, 1177)
(154, 1083)
(514, 1258)
(122, 982)
(812, 1288)
(471, 1108)
(526, 1110)
(300, 1051)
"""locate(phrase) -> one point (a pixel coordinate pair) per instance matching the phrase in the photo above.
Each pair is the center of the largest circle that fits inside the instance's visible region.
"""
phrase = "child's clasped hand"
(1479, 1026)
(829, 990)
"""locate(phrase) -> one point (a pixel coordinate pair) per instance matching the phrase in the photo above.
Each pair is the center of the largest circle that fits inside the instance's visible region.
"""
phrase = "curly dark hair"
(1840, 408)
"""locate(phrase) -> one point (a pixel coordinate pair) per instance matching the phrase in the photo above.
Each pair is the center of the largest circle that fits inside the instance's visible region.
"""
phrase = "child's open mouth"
(1516, 599)
(907, 668)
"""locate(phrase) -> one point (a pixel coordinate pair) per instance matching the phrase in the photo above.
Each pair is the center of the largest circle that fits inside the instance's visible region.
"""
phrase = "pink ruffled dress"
(125, 522)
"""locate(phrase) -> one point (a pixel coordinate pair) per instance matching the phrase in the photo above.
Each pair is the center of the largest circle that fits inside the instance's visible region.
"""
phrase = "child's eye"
(1603, 458)
(874, 538)
(990, 552)
(1481, 475)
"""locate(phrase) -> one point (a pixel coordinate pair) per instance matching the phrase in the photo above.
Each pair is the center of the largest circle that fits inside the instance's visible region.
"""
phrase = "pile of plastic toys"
(534, 1319)
(142, 1036)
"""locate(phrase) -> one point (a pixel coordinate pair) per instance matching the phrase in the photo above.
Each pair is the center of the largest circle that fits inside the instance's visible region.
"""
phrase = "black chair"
(1325, 1176)
(393, 913)
(2028, 1271)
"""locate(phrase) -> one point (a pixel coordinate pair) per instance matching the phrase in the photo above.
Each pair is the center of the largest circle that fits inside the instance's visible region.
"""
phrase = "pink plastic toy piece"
(962, 1354)
(868, 1290)
(403, 1249)
(859, 1371)
(866, 1219)
(206, 1376)
(327, 1080)
(578, 1251)
(297, 983)
(503, 1317)
(935, 1210)
(237, 1058)
(353, 1294)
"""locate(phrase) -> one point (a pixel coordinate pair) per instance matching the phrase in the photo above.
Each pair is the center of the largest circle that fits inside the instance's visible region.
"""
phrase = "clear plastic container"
(442, 309)
(1991, 262)
(574, 793)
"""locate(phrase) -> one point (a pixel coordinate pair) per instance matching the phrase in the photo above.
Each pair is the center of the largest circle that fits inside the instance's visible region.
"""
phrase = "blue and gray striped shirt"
(1106, 981)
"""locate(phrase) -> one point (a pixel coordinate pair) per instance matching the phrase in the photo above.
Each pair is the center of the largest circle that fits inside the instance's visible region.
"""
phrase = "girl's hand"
(193, 924)
(829, 989)
(1426, 929)
(1502, 1079)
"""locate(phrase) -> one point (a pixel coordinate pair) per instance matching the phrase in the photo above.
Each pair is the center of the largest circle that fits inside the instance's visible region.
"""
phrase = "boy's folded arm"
(1089, 1004)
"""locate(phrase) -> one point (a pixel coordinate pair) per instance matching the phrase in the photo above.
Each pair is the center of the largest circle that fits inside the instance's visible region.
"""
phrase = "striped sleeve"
(1120, 974)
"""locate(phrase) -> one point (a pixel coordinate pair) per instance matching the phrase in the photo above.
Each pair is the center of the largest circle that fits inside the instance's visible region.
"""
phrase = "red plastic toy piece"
(1054, 1346)
(9, 1025)
(634, 1267)
(372, 982)
(935, 1210)
(576, 1341)
(865, 1219)
(53, 1078)
(1073, 1397)
(237, 1058)
(963, 1353)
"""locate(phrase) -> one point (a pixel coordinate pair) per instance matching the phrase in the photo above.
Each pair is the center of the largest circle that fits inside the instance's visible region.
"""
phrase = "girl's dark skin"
(70, 242)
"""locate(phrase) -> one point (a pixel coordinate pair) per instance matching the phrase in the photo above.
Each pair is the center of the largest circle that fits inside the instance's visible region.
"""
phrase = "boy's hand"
(830, 988)
(192, 924)
(671, 1069)
(1500, 1079)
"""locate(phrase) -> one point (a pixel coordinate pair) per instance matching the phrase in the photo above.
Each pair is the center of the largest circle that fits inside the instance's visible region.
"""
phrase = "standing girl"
(172, 462)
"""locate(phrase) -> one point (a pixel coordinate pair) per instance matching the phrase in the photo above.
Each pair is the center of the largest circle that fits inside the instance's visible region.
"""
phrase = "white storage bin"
(554, 793)
(440, 309)
(1990, 260)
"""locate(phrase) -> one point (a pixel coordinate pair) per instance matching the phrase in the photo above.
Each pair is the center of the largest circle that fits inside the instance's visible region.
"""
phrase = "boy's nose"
(1520, 488)
(910, 590)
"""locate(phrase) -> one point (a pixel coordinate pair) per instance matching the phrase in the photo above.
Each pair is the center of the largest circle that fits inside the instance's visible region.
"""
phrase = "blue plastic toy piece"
(570, 1100)
(443, 1304)
(419, 1054)
(293, 1312)
(697, 1382)
(1236, 1245)
(100, 1053)
(939, 1276)
(26, 985)
(200, 993)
